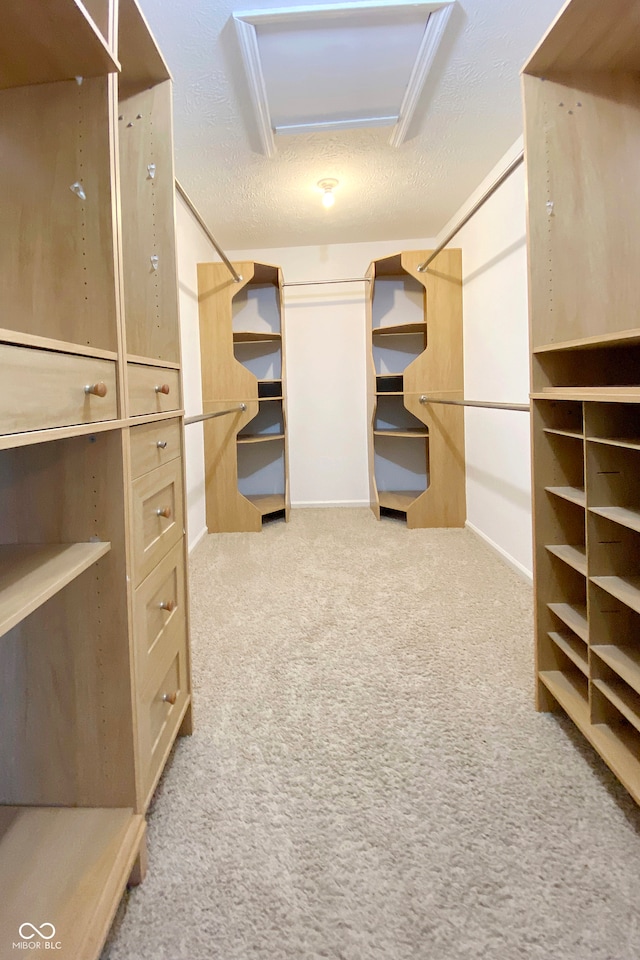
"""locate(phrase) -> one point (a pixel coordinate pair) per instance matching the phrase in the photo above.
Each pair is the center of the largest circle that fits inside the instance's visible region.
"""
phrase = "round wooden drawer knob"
(161, 444)
(164, 512)
(169, 605)
(169, 698)
(163, 388)
(96, 389)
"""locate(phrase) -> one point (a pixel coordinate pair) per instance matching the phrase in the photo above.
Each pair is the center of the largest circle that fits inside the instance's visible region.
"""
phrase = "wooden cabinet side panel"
(58, 268)
(148, 227)
(582, 143)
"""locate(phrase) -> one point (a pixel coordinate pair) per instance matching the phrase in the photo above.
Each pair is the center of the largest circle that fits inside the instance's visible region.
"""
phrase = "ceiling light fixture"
(328, 185)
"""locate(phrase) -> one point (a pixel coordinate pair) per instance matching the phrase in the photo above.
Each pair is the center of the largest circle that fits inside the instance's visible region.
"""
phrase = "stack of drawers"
(160, 624)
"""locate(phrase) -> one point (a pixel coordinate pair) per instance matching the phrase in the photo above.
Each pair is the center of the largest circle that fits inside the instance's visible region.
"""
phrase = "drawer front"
(160, 613)
(148, 388)
(157, 516)
(160, 708)
(40, 389)
(153, 444)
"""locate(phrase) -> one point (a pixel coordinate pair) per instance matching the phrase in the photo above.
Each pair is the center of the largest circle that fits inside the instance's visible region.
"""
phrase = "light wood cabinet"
(416, 451)
(94, 648)
(582, 110)
(243, 362)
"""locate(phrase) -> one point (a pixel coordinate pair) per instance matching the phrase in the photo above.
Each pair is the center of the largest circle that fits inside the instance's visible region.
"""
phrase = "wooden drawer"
(153, 444)
(157, 516)
(145, 389)
(40, 389)
(159, 612)
(161, 703)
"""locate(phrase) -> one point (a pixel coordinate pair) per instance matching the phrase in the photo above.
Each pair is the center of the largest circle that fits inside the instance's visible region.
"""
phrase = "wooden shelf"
(574, 556)
(30, 574)
(624, 660)
(631, 443)
(411, 434)
(399, 329)
(399, 499)
(58, 346)
(617, 747)
(626, 589)
(622, 515)
(622, 338)
(267, 502)
(572, 494)
(43, 43)
(386, 393)
(574, 648)
(245, 336)
(68, 867)
(565, 433)
(573, 616)
(599, 394)
(259, 437)
(623, 698)
(570, 694)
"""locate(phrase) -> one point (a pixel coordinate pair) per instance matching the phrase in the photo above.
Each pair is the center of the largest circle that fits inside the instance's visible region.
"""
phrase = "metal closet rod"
(209, 416)
(524, 407)
(313, 283)
(483, 199)
(225, 259)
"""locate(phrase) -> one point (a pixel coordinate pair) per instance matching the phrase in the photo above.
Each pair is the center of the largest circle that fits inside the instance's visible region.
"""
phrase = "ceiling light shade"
(327, 186)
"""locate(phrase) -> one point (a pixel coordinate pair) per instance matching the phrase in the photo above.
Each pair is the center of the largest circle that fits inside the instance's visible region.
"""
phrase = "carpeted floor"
(368, 779)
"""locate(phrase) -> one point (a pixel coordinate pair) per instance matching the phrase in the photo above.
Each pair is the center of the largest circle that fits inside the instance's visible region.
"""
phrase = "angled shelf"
(574, 616)
(30, 574)
(573, 647)
(573, 555)
(626, 589)
(624, 661)
(572, 494)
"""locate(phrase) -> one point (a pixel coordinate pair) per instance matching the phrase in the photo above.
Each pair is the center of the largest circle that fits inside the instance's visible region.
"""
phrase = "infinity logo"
(37, 931)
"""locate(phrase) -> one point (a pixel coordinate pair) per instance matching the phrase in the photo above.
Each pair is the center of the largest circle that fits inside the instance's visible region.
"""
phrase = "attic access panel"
(339, 66)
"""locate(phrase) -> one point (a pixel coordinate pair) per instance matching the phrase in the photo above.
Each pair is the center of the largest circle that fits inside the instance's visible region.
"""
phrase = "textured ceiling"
(469, 114)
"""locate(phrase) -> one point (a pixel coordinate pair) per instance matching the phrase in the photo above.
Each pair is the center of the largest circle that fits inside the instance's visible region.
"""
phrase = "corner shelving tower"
(416, 451)
(94, 669)
(582, 107)
(242, 350)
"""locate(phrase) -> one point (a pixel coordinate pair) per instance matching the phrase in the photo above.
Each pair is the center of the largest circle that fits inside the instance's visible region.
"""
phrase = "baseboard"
(197, 539)
(330, 503)
(515, 565)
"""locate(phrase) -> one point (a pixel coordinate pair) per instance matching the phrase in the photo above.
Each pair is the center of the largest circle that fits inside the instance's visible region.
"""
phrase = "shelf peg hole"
(96, 389)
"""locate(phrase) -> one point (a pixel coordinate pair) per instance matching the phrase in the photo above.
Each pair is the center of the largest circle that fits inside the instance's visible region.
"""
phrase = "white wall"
(326, 373)
(496, 362)
(193, 248)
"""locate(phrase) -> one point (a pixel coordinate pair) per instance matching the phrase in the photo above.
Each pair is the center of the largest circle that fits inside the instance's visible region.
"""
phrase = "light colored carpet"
(368, 779)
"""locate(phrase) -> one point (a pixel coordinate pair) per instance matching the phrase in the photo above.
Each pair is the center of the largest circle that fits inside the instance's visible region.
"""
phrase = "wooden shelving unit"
(582, 126)
(94, 674)
(416, 454)
(242, 350)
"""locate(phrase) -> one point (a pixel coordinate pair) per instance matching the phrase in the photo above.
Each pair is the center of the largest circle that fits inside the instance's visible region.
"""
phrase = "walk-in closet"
(319, 467)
